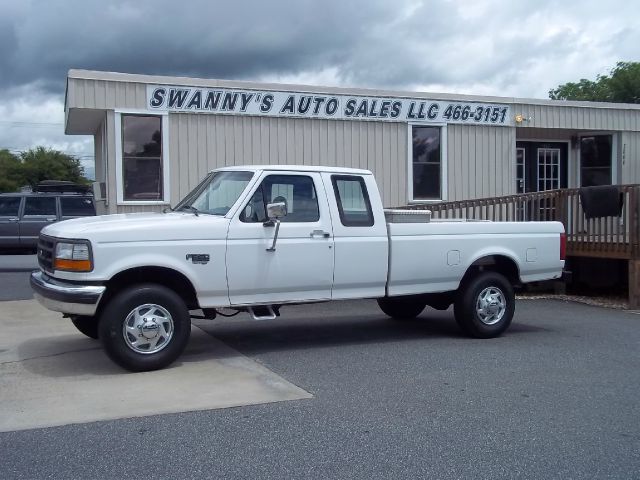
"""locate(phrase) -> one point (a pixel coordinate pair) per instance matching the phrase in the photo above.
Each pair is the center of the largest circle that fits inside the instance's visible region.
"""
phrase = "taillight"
(563, 246)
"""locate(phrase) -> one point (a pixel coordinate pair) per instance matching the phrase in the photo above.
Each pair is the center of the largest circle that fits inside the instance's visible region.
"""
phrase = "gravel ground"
(619, 303)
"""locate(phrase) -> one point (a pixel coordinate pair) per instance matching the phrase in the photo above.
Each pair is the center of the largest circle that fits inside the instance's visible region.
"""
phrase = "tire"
(145, 327)
(402, 308)
(485, 305)
(86, 325)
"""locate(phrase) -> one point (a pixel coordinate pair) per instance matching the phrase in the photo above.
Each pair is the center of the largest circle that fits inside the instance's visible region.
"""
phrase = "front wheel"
(485, 305)
(145, 327)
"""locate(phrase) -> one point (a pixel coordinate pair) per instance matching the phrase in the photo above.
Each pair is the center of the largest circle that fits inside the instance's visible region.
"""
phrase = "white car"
(256, 238)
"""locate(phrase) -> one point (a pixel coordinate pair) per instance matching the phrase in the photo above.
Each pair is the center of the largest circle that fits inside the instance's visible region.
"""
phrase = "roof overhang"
(83, 121)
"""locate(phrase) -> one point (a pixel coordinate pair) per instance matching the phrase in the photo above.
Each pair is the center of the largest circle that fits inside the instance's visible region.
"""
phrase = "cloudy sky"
(499, 47)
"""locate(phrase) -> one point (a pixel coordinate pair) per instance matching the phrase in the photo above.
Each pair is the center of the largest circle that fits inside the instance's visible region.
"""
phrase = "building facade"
(156, 137)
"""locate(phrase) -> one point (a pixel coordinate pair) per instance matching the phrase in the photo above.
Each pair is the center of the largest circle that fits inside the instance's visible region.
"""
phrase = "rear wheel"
(145, 327)
(86, 325)
(485, 305)
(402, 308)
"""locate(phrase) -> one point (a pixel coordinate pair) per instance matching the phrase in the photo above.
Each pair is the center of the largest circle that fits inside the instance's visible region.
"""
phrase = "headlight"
(73, 257)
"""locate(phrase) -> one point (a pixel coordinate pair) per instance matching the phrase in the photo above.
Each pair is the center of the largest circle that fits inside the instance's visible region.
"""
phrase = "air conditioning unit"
(99, 190)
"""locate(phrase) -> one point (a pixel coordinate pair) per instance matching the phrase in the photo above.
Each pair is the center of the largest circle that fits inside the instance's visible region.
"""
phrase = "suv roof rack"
(61, 186)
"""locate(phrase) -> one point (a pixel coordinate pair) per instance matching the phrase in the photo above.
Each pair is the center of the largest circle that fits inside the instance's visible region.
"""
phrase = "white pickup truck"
(255, 238)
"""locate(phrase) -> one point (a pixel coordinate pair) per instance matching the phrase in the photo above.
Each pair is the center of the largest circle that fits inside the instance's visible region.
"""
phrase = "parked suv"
(23, 215)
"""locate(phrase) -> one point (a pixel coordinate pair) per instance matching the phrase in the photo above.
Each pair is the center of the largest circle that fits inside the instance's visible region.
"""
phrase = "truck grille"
(45, 253)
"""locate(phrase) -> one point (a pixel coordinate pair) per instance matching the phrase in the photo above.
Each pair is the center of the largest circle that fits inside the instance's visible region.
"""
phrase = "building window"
(595, 160)
(142, 158)
(426, 163)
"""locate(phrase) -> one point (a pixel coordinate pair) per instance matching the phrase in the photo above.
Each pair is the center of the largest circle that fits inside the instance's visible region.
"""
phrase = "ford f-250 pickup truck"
(255, 238)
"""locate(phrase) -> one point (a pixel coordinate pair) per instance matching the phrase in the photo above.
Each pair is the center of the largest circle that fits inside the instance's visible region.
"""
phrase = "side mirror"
(275, 211)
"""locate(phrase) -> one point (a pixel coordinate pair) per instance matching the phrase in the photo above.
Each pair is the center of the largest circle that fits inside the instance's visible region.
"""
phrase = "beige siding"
(109, 94)
(139, 208)
(200, 143)
(577, 118)
(481, 161)
(99, 149)
(629, 149)
(101, 94)
(111, 163)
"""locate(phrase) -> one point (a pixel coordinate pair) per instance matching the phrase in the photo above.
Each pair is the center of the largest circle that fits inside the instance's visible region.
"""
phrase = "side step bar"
(263, 312)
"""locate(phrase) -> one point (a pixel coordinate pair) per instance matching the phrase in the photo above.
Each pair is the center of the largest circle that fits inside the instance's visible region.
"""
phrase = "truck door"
(301, 267)
(360, 236)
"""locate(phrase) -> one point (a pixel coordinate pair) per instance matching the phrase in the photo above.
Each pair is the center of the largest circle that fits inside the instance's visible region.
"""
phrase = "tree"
(622, 85)
(35, 165)
(11, 177)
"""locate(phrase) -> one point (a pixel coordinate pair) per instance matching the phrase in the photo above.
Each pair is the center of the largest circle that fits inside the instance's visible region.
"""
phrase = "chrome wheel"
(491, 305)
(148, 328)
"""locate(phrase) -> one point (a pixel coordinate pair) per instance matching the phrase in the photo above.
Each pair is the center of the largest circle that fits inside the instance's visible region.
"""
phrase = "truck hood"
(132, 227)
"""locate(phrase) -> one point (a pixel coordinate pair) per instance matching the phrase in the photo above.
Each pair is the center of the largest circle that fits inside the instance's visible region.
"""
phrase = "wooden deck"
(605, 237)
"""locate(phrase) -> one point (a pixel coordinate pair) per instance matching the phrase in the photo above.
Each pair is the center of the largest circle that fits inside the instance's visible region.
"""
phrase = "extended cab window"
(9, 206)
(353, 201)
(40, 206)
(76, 206)
(296, 191)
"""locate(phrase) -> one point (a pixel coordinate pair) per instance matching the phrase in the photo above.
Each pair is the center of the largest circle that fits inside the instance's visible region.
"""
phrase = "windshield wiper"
(192, 209)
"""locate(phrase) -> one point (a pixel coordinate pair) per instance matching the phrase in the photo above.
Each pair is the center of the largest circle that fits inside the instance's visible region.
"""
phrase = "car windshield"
(216, 193)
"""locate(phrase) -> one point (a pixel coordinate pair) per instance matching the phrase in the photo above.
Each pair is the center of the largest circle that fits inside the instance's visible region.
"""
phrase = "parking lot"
(555, 397)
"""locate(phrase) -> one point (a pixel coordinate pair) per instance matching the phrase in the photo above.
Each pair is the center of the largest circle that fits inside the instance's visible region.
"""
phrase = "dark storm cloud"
(494, 47)
(376, 43)
(43, 39)
(369, 43)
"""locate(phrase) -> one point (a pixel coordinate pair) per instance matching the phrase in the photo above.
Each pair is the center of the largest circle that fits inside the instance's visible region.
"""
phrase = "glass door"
(548, 179)
(548, 169)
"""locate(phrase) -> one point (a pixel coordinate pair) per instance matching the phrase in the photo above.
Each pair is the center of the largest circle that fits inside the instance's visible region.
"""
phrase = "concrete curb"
(45, 361)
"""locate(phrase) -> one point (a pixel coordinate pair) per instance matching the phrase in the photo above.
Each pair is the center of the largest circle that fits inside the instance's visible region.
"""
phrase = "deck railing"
(606, 237)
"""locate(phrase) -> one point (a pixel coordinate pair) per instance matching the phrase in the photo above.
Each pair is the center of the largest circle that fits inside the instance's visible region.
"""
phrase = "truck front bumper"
(66, 297)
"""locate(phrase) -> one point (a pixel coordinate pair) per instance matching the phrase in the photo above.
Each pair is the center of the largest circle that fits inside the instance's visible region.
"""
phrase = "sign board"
(313, 105)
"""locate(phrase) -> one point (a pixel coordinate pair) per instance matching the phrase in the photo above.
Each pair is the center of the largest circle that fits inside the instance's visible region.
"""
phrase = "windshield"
(216, 193)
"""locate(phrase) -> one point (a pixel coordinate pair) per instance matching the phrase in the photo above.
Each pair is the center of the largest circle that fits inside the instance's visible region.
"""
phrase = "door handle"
(51, 219)
(320, 232)
(13, 220)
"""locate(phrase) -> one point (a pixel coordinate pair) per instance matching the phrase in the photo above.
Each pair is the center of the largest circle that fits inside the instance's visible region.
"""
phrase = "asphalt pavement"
(555, 397)
(18, 263)
(14, 276)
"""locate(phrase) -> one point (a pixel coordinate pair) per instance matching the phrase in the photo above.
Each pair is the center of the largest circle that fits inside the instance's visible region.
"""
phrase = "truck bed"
(434, 256)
